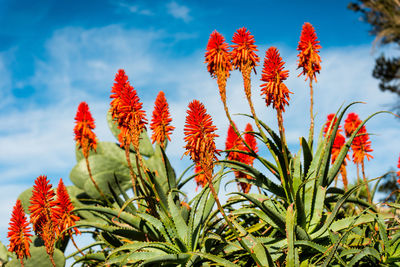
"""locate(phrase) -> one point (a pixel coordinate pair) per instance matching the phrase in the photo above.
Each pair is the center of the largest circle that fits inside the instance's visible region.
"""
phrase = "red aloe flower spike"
(351, 123)
(43, 217)
(398, 173)
(199, 137)
(275, 91)
(243, 51)
(338, 143)
(63, 211)
(126, 109)
(234, 142)
(84, 135)
(19, 233)
(251, 141)
(218, 61)
(330, 117)
(309, 58)
(217, 56)
(199, 132)
(200, 178)
(161, 120)
(361, 144)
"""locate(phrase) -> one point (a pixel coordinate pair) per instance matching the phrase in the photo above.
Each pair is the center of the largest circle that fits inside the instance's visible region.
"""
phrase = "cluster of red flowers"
(339, 141)
(275, 91)
(199, 137)
(161, 120)
(49, 218)
(398, 173)
(217, 56)
(243, 57)
(126, 110)
(243, 51)
(309, 58)
(84, 135)
(19, 232)
(361, 145)
(235, 142)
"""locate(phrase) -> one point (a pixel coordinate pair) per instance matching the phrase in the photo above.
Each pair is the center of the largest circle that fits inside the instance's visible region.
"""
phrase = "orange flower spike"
(328, 124)
(351, 123)
(199, 133)
(42, 203)
(218, 61)
(126, 109)
(63, 211)
(338, 143)
(275, 91)
(361, 146)
(233, 142)
(19, 233)
(43, 215)
(398, 173)
(84, 125)
(309, 59)
(217, 56)
(161, 120)
(243, 52)
(200, 178)
(250, 139)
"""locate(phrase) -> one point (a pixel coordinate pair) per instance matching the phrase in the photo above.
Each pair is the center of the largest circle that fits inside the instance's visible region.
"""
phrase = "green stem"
(311, 132)
(94, 182)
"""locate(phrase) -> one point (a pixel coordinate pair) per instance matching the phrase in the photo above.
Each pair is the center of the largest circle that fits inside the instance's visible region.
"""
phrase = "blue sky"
(54, 54)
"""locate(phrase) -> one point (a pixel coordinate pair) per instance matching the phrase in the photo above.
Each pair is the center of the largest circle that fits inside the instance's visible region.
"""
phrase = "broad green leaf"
(40, 258)
(180, 224)
(290, 236)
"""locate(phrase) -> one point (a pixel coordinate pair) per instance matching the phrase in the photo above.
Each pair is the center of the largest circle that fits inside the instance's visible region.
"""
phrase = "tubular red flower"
(361, 144)
(351, 123)
(338, 143)
(126, 110)
(243, 52)
(398, 173)
(200, 178)
(43, 217)
(330, 117)
(199, 132)
(217, 56)
(199, 138)
(250, 138)
(19, 232)
(84, 125)
(234, 142)
(161, 120)
(42, 203)
(275, 91)
(63, 211)
(309, 58)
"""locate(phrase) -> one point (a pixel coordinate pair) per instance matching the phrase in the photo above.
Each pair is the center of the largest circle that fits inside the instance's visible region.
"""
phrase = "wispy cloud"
(179, 11)
(136, 9)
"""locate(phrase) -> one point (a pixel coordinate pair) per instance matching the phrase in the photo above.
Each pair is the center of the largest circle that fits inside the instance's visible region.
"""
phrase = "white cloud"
(135, 9)
(179, 11)
(80, 65)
